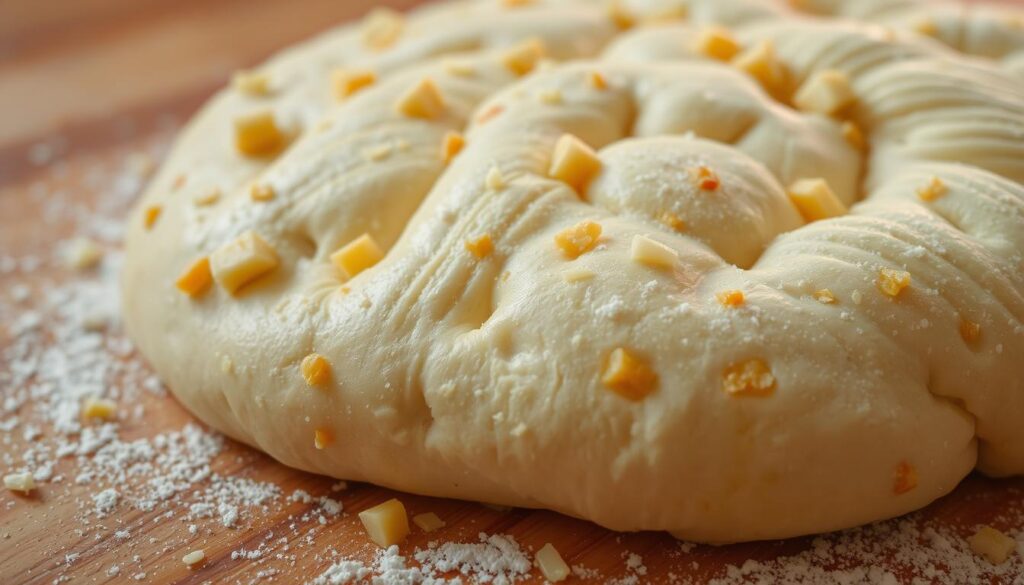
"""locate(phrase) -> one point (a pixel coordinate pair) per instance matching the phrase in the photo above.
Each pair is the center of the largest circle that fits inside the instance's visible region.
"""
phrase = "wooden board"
(85, 84)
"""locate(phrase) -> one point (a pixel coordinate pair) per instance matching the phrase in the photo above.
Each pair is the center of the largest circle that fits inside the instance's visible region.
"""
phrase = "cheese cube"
(381, 28)
(992, 544)
(358, 255)
(892, 282)
(322, 438)
(716, 42)
(194, 558)
(345, 82)
(257, 134)
(652, 253)
(494, 180)
(261, 192)
(730, 298)
(20, 482)
(598, 80)
(386, 524)
(673, 221)
(242, 261)
(251, 83)
(452, 145)
(826, 92)
(761, 63)
(904, 478)
(573, 162)
(579, 239)
(748, 378)
(522, 58)
(99, 408)
(628, 376)
(428, 522)
(480, 247)
(316, 370)
(707, 179)
(196, 278)
(814, 199)
(551, 564)
(422, 100)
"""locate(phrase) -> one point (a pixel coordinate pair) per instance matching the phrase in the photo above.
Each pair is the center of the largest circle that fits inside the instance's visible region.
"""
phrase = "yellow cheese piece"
(422, 100)
(815, 200)
(628, 375)
(257, 134)
(358, 255)
(522, 58)
(20, 482)
(99, 408)
(316, 370)
(992, 544)
(345, 82)
(251, 83)
(242, 261)
(196, 278)
(386, 523)
(892, 282)
(428, 522)
(551, 564)
(579, 239)
(716, 42)
(573, 162)
(748, 378)
(761, 63)
(826, 92)
(652, 253)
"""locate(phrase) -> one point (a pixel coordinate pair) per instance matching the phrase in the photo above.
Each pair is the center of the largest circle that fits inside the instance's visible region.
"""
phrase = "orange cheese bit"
(322, 438)
(452, 146)
(579, 239)
(573, 162)
(150, 215)
(628, 375)
(345, 82)
(933, 190)
(730, 298)
(423, 100)
(904, 478)
(707, 179)
(196, 278)
(970, 331)
(892, 282)
(316, 370)
(523, 57)
(825, 296)
(262, 192)
(481, 247)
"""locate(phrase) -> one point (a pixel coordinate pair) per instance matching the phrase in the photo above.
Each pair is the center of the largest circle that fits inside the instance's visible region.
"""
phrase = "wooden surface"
(96, 80)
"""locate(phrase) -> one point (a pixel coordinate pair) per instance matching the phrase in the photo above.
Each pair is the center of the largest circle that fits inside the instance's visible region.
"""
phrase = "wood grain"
(99, 79)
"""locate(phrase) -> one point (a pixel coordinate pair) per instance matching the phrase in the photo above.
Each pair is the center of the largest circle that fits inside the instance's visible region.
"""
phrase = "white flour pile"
(62, 343)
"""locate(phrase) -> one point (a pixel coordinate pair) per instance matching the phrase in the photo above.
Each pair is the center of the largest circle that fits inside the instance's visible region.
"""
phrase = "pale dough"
(481, 378)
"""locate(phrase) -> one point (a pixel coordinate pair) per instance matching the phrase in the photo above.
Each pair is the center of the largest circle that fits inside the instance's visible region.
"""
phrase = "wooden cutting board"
(88, 84)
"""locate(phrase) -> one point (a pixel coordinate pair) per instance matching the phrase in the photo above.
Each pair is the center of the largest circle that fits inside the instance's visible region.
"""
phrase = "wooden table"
(88, 82)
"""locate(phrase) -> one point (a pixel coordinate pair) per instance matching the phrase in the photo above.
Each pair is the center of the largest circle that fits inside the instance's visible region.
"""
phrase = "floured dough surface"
(588, 280)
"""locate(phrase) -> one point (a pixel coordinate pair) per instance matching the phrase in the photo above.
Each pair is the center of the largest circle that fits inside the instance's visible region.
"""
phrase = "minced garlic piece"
(892, 282)
(316, 370)
(904, 478)
(242, 260)
(652, 253)
(750, 378)
(551, 564)
(358, 255)
(194, 558)
(257, 134)
(826, 92)
(523, 57)
(815, 200)
(628, 375)
(452, 145)
(381, 28)
(933, 190)
(481, 247)
(579, 239)
(730, 298)
(970, 331)
(707, 179)
(853, 135)
(573, 162)
(598, 80)
(82, 254)
(673, 221)
(345, 82)
(423, 100)
(20, 482)
(150, 216)
(824, 296)
(494, 180)
(992, 544)
(262, 192)
(252, 83)
(322, 438)
(716, 42)
(196, 278)
(386, 523)
(428, 522)
(99, 408)
(761, 63)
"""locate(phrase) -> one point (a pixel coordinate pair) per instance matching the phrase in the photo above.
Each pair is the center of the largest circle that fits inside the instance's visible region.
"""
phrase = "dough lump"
(734, 269)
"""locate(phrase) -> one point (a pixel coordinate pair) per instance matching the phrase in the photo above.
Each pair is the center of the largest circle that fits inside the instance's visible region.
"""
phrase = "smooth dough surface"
(481, 377)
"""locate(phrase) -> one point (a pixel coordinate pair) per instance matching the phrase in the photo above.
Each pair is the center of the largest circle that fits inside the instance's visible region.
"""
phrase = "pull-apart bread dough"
(733, 269)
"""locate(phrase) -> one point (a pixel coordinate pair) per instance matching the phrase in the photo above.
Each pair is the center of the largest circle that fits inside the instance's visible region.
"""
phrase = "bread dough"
(481, 373)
